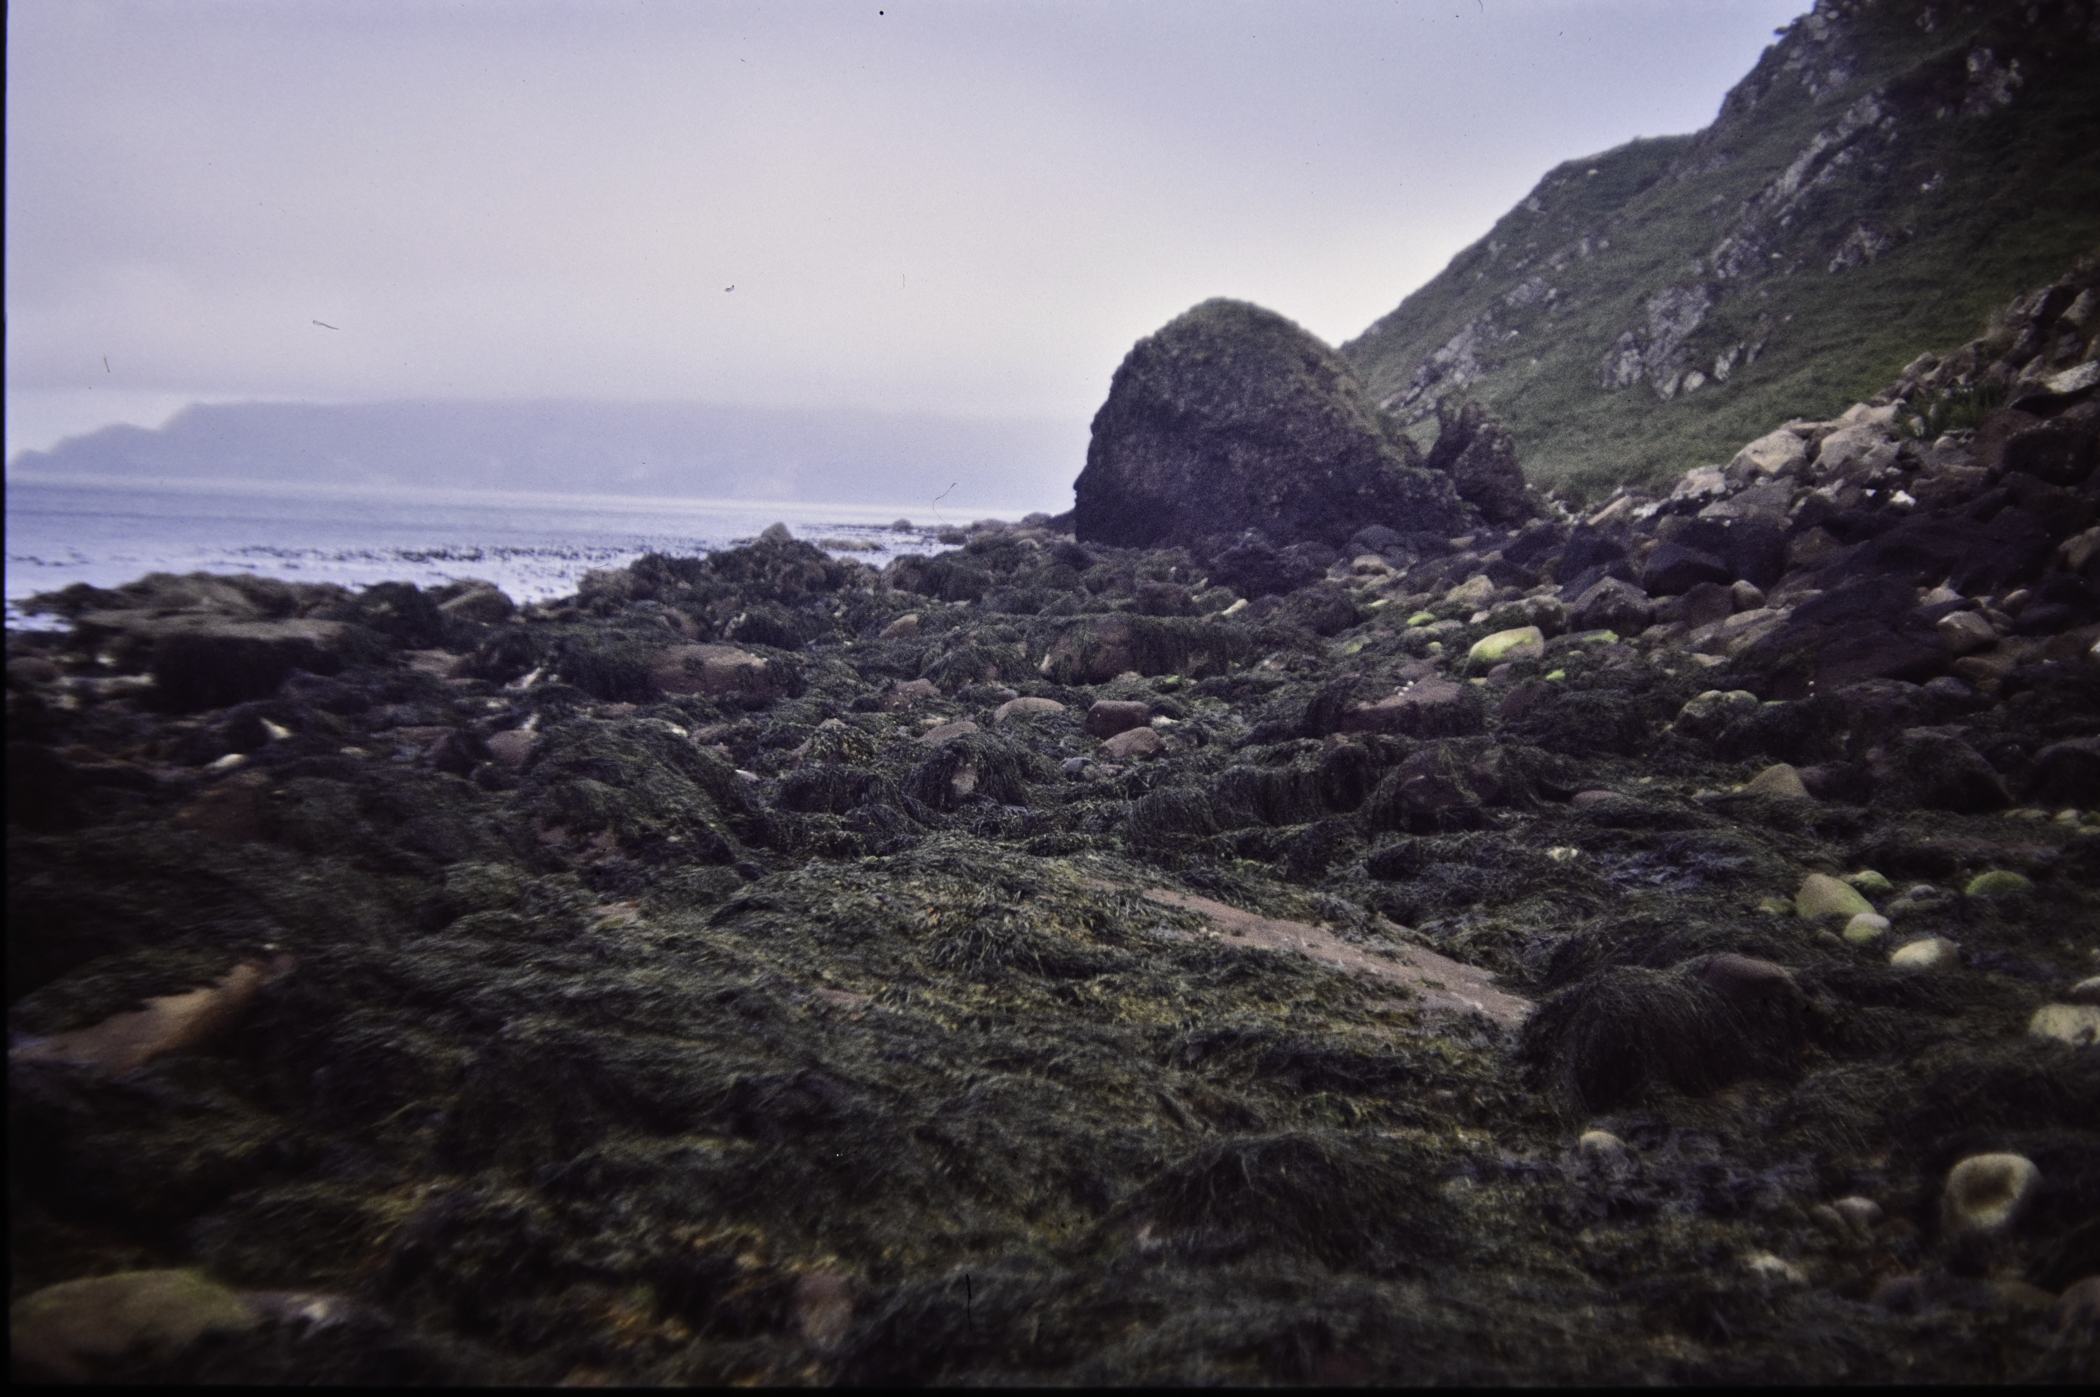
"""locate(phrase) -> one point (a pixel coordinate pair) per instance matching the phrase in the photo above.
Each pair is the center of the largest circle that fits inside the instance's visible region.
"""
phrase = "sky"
(970, 209)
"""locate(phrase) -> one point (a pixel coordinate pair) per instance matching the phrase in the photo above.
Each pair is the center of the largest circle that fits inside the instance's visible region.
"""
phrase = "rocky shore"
(1654, 941)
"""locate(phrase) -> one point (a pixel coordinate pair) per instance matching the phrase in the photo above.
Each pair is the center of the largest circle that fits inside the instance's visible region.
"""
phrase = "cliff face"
(1887, 174)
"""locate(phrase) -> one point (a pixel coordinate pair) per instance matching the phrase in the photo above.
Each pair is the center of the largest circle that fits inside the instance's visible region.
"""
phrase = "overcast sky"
(963, 208)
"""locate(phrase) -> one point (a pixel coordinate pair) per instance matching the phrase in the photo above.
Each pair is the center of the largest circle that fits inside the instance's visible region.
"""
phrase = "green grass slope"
(1886, 177)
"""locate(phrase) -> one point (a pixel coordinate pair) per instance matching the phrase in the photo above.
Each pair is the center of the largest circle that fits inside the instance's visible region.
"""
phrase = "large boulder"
(1480, 456)
(1232, 418)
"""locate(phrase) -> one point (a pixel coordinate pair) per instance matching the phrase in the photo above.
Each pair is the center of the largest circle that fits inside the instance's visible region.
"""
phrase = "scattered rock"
(1779, 779)
(903, 628)
(2076, 1024)
(1986, 1193)
(71, 1331)
(1520, 643)
(1999, 883)
(1927, 953)
(1136, 744)
(1025, 706)
(1107, 717)
(947, 732)
(1821, 897)
(168, 1024)
(1865, 928)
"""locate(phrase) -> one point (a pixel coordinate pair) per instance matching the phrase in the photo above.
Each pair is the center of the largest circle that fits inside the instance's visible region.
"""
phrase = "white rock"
(1985, 1194)
(1859, 1213)
(1601, 1144)
(1774, 453)
(1932, 953)
(1866, 928)
(2076, 1024)
(1767, 1267)
(1964, 631)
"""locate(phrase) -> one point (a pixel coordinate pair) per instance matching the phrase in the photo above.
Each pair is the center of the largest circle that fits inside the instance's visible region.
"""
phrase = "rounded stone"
(1866, 928)
(2076, 1024)
(2086, 991)
(1779, 779)
(1998, 882)
(1517, 643)
(1134, 745)
(1860, 1214)
(64, 1332)
(1600, 1144)
(1986, 1193)
(1108, 717)
(1930, 953)
(1870, 883)
(1026, 706)
(1821, 896)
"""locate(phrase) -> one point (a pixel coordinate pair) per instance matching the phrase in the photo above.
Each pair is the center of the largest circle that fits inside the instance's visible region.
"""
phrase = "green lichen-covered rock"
(1821, 897)
(67, 1332)
(1232, 418)
(1998, 883)
(1517, 643)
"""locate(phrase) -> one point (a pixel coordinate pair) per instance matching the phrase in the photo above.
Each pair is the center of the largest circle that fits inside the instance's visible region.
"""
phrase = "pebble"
(1986, 1193)
(1133, 745)
(1517, 643)
(1866, 928)
(2086, 991)
(935, 736)
(1025, 706)
(1110, 716)
(1767, 1267)
(1821, 896)
(2076, 1024)
(1600, 1144)
(1997, 882)
(1870, 883)
(1859, 1213)
(1779, 779)
(1929, 953)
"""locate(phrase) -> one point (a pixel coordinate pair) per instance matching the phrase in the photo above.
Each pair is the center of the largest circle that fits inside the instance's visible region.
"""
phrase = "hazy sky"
(963, 208)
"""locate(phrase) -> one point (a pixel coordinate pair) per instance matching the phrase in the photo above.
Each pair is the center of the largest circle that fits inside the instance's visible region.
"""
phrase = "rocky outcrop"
(820, 1014)
(1231, 418)
(1640, 304)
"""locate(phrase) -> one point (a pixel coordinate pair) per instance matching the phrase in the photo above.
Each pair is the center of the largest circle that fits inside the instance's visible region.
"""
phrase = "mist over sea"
(533, 545)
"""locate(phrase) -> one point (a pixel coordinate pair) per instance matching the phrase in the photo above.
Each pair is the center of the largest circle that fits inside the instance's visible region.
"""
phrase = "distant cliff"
(686, 450)
(1886, 177)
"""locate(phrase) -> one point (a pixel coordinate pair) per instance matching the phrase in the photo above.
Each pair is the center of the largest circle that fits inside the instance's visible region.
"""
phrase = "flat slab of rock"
(1438, 981)
(1024, 706)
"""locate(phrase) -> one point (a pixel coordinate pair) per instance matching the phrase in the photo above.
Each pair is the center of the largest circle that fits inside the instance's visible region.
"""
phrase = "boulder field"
(1654, 944)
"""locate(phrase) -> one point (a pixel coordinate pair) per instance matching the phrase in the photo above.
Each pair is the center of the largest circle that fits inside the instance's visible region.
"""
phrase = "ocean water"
(533, 546)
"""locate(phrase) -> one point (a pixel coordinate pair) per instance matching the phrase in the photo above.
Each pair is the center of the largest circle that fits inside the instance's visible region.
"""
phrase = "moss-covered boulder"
(1233, 418)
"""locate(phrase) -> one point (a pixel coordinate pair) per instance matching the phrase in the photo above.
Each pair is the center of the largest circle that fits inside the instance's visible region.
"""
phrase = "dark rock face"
(1232, 418)
(1480, 456)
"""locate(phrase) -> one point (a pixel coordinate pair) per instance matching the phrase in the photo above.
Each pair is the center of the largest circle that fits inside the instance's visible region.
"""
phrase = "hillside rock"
(1661, 302)
(1232, 418)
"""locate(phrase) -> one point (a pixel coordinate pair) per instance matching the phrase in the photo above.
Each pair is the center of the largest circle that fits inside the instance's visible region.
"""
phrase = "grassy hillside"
(1887, 176)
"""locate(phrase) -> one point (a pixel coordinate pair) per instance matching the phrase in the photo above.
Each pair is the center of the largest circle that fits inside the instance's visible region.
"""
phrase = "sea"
(534, 546)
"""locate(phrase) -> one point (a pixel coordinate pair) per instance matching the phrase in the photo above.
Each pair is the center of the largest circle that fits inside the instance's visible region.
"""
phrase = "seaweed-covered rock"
(1232, 418)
